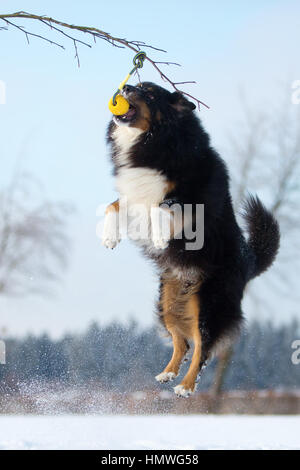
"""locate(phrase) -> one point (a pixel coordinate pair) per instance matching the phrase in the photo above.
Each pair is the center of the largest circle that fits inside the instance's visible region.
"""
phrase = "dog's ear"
(180, 103)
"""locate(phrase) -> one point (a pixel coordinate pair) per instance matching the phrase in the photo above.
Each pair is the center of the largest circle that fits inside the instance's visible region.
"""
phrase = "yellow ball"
(121, 106)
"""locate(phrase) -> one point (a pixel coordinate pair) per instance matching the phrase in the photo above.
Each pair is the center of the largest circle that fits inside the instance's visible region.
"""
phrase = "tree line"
(123, 357)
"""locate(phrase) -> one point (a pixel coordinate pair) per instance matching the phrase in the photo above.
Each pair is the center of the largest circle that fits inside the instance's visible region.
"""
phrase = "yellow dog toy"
(118, 105)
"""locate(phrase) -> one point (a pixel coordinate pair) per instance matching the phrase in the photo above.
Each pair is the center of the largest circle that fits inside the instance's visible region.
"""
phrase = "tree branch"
(95, 33)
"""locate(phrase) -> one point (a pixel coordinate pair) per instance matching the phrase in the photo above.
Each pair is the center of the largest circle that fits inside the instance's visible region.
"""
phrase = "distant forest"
(126, 358)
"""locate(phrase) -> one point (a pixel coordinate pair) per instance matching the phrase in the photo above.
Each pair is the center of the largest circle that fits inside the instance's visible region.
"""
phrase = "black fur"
(177, 145)
(264, 235)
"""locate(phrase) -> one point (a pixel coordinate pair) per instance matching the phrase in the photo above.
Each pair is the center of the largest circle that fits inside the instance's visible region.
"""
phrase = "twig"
(95, 33)
(28, 33)
(167, 63)
(174, 85)
(182, 83)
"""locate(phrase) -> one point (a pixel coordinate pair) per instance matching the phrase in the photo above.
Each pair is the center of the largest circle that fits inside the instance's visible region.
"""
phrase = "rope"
(138, 62)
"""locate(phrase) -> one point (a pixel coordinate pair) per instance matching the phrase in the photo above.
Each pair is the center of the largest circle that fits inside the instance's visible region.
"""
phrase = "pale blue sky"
(56, 115)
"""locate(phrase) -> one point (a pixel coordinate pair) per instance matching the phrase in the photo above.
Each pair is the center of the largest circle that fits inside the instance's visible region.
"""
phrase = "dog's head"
(151, 106)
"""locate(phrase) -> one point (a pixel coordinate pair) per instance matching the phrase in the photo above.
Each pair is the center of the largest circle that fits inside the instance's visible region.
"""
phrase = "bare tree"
(267, 159)
(33, 243)
(64, 29)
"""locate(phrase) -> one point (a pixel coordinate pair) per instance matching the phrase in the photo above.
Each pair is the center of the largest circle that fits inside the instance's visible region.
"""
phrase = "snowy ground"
(149, 432)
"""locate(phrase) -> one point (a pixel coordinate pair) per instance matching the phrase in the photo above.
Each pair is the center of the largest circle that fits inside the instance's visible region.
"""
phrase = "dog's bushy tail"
(264, 234)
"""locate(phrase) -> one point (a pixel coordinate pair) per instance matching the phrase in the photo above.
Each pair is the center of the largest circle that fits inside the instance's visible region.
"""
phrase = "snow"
(192, 432)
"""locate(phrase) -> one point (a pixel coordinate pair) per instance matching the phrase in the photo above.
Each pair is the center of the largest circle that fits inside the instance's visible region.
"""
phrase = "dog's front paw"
(110, 243)
(160, 243)
(110, 235)
(161, 227)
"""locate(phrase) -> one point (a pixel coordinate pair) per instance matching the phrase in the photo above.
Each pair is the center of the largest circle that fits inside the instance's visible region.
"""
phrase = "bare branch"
(167, 63)
(32, 239)
(27, 34)
(94, 33)
(182, 83)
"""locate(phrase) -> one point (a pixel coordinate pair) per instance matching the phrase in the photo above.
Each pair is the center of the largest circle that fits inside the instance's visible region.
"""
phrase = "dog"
(162, 158)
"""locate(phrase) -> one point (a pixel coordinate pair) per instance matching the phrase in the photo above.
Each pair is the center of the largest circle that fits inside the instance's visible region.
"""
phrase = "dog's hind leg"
(180, 348)
(169, 311)
(191, 331)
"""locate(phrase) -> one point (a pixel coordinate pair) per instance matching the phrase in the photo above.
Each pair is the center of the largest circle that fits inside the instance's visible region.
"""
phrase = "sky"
(55, 117)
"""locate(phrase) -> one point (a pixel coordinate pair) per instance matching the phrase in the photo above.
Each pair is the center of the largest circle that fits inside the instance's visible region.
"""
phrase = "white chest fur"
(141, 186)
(140, 190)
(138, 185)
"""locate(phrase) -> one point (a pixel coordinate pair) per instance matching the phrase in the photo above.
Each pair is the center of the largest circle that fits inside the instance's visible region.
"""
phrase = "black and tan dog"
(162, 157)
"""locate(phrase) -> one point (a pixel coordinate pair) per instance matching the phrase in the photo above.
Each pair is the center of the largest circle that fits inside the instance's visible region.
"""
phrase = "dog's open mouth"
(129, 116)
